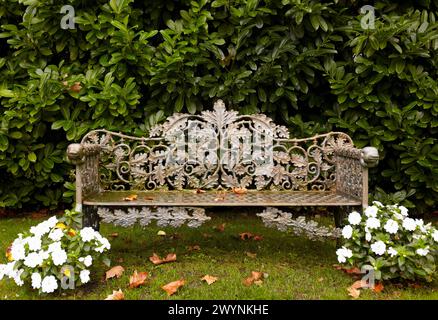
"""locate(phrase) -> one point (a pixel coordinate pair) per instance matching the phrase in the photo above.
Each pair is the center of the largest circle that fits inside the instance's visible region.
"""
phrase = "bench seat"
(216, 199)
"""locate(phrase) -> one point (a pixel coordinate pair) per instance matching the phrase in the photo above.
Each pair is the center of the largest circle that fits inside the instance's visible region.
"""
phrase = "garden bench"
(217, 158)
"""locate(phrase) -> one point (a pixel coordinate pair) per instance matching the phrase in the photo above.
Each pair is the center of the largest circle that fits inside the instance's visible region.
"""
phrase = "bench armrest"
(352, 171)
(86, 159)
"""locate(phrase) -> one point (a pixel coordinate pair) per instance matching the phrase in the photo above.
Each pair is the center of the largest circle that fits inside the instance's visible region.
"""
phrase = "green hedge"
(128, 64)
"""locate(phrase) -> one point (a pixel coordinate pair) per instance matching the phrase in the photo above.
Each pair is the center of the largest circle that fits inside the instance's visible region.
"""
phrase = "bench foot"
(165, 216)
(90, 218)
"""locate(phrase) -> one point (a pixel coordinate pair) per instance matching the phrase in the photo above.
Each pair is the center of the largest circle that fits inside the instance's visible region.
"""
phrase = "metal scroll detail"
(273, 217)
(215, 150)
(165, 216)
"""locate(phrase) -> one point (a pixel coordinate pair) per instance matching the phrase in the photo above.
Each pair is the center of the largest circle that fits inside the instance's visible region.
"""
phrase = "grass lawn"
(297, 268)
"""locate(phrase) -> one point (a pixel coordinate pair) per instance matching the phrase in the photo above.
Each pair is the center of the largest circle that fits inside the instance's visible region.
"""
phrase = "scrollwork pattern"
(215, 150)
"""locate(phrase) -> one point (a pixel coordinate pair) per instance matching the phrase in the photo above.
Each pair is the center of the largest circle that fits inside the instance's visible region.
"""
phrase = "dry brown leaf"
(353, 271)
(116, 295)
(240, 190)
(255, 276)
(155, 259)
(257, 238)
(354, 290)
(378, 287)
(245, 235)
(172, 287)
(131, 197)
(251, 255)
(414, 285)
(209, 279)
(199, 191)
(116, 271)
(258, 282)
(137, 279)
(355, 293)
(220, 196)
(76, 87)
(114, 235)
(220, 227)
(194, 248)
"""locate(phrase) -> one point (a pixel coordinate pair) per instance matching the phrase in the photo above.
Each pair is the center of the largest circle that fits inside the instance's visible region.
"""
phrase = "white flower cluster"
(45, 247)
(88, 235)
(376, 222)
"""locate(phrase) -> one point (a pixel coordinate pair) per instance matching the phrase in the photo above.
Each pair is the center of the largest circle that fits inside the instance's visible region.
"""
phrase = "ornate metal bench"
(218, 158)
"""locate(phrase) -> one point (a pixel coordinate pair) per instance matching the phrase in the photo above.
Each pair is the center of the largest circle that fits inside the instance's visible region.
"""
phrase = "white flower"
(391, 226)
(2, 271)
(34, 243)
(403, 211)
(51, 223)
(435, 235)
(398, 216)
(59, 257)
(409, 224)
(45, 254)
(33, 260)
(373, 223)
(55, 246)
(87, 234)
(85, 276)
(343, 253)
(392, 252)
(87, 261)
(56, 234)
(368, 236)
(17, 249)
(354, 218)
(378, 247)
(371, 211)
(49, 284)
(422, 252)
(9, 269)
(41, 229)
(347, 231)
(17, 277)
(36, 280)
(378, 203)
(105, 245)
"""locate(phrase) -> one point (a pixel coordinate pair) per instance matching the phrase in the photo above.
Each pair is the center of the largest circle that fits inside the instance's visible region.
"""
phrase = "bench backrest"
(214, 150)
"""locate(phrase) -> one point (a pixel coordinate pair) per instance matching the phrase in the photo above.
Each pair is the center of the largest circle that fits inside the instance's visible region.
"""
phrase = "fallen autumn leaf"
(255, 276)
(132, 197)
(172, 287)
(137, 279)
(116, 271)
(116, 295)
(209, 279)
(155, 259)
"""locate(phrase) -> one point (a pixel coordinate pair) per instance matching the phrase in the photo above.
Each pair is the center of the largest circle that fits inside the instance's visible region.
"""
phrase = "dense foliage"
(128, 64)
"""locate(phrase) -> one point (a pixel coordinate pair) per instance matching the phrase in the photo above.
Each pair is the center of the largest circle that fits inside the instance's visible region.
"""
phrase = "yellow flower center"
(61, 226)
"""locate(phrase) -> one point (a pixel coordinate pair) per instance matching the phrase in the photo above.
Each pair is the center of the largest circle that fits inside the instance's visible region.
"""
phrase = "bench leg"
(340, 213)
(90, 218)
